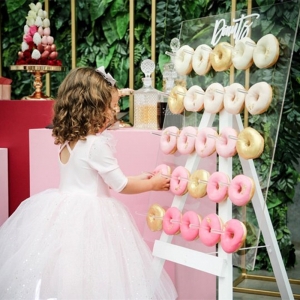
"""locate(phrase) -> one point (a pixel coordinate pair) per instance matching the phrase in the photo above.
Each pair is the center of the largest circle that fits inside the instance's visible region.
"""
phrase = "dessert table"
(16, 118)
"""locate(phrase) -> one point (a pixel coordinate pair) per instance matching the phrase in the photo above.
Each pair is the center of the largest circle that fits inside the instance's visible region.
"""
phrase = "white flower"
(38, 5)
(41, 13)
(26, 29)
(38, 22)
(45, 14)
(32, 14)
(37, 38)
(46, 23)
(30, 21)
(24, 46)
(35, 54)
(33, 7)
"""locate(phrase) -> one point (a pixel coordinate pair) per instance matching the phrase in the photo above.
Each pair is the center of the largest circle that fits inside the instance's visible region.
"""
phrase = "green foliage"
(103, 39)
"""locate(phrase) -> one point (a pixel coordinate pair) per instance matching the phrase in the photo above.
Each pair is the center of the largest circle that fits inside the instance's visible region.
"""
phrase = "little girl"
(76, 242)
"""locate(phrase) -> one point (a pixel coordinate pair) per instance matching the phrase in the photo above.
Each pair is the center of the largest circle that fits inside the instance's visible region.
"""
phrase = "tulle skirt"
(76, 246)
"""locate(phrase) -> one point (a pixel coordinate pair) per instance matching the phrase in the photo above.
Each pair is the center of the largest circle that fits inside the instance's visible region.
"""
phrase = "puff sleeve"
(102, 159)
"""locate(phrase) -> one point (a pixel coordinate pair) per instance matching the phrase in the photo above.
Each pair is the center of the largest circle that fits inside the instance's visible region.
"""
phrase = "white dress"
(76, 242)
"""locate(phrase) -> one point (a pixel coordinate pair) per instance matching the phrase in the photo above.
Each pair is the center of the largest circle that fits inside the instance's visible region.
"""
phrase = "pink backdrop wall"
(137, 151)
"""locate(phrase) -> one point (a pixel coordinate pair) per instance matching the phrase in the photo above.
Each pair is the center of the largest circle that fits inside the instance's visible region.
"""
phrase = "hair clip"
(106, 76)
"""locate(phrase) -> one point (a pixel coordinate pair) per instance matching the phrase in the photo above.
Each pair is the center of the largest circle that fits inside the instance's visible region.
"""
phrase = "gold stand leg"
(245, 276)
(38, 84)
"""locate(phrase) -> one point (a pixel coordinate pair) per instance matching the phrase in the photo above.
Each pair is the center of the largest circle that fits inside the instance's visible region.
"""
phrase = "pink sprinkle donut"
(241, 190)
(179, 181)
(171, 221)
(205, 143)
(189, 226)
(162, 169)
(186, 140)
(210, 230)
(226, 143)
(234, 236)
(168, 140)
(217, 187)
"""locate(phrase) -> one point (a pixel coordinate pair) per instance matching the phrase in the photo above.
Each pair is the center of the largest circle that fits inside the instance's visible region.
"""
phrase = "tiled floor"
(293, 273)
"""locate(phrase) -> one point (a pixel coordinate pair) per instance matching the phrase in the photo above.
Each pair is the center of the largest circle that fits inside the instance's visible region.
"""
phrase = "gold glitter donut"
(155, 217)
(220, 57)
(197, 183)
(175, 99)
(250, 143)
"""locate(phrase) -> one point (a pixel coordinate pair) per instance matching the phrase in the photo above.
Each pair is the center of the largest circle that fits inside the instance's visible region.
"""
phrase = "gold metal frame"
(245, 276)
(73, 33)
(131, 58)
(47, 75)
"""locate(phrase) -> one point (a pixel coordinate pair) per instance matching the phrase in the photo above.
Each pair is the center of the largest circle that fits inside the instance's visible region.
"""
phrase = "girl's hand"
(160, 183)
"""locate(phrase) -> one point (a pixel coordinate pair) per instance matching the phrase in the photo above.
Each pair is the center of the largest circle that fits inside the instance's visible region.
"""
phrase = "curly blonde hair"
(83, 100)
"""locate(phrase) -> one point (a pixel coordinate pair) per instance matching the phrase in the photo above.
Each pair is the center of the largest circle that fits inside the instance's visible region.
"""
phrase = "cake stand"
(37, 71)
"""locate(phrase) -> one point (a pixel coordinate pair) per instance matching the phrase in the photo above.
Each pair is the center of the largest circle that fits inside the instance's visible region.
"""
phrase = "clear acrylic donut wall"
(211, 31)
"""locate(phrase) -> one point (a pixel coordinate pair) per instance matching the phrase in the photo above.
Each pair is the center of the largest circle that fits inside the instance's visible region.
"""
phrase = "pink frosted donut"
(162, 169)
(205, 143)
(213, 98)
(210, 230)
(179, 181)
(234, 98)
(171, 221)
(234, 236)
(168, 140)
(217, 187)
(189, 226)
(226, 143)
(241, 190)
(186, 140)
(193, 99)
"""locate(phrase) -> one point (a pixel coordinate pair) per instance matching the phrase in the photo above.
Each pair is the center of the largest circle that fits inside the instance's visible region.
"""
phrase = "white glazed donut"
(259, 98)
(194, 99)
(213, 98)
(242, 55)
(234, 98)
(201, 62)
(186, 140)
(175, 99)
(266, 52)
(183, 60)
(220, 57)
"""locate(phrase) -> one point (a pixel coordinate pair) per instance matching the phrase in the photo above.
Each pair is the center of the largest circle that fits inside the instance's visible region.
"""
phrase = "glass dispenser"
(146, 99)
